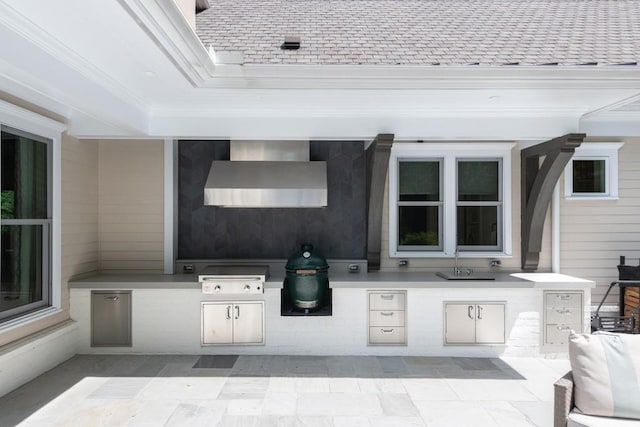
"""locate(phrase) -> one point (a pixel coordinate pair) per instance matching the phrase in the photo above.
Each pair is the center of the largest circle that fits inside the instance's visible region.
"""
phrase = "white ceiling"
(133, 68)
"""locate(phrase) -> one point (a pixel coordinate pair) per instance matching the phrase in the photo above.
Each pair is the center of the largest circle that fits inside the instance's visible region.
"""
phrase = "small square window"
(592, 173)
(589, 176)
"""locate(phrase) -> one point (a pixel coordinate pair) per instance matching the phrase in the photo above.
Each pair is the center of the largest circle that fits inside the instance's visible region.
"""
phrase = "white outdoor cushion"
(582, 420)
(606, 373)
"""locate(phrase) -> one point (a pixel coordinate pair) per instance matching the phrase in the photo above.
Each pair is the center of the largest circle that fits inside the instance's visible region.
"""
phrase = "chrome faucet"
(459, 271)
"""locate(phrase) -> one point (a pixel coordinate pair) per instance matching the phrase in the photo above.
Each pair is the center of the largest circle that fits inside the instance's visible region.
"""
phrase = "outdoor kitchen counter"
(399, 280)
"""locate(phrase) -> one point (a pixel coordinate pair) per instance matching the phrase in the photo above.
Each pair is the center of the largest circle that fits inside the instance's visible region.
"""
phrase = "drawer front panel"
(563, 299)
(560, 315)
(386, 301)
(559, 334)
(387, 335)
(386, 318)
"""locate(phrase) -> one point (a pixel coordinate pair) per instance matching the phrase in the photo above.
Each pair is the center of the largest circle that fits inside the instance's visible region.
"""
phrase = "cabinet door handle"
(386, 297)
(237, 311)
(479, 312)
(228, 312)
(386, 331)
(114, 298)
(382, 313)
(469, 310)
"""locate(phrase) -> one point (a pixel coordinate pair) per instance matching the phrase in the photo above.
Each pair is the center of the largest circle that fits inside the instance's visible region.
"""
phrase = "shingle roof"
(427, 32)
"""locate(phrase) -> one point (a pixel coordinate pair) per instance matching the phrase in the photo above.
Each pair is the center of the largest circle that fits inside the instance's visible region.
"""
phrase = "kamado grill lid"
(306, 259)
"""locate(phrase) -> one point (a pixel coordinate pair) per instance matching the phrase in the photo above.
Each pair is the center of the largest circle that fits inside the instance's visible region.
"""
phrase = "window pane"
(419, 181)
(477, 225)
(21, 280)
(589, 176)
(478, 181)
(418, 226)
(24, 178)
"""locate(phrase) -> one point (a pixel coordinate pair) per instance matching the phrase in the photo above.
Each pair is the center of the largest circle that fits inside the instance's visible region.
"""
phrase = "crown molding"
(18, 117)
(123, 109)
(167, 27)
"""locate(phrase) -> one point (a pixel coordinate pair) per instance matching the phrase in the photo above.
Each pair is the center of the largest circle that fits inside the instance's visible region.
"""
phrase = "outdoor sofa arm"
(562, 400)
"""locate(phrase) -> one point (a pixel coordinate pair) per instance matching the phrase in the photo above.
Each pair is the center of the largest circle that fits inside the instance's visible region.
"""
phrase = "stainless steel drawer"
(559, 334)
(559, 315)
(386, 301)
(563, 299)
(387, 335)
(386, 318)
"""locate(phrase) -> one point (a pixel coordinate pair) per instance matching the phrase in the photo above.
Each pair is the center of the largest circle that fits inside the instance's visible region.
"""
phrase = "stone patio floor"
(349, 391)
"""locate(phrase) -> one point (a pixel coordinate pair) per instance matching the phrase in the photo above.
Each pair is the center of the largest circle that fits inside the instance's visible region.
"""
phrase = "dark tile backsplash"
(338, 231)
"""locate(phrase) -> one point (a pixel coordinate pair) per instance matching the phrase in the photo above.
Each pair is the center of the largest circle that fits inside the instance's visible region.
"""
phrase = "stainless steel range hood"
(267, 174)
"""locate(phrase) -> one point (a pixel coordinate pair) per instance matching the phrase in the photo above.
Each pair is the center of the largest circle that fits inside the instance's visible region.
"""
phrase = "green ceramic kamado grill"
(307, 278)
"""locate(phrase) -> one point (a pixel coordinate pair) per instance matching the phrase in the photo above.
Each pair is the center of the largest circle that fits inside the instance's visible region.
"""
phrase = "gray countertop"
(346, 280)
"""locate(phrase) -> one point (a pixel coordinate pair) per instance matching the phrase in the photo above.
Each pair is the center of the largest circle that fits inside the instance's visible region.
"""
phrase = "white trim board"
(36, 356)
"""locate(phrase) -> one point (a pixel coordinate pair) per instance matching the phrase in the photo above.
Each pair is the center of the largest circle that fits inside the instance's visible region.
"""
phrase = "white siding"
(594, 233)
(79, 209)
(131, 204)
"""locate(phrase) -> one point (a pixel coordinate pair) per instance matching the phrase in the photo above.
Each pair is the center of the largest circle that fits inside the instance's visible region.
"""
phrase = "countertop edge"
(407, 280)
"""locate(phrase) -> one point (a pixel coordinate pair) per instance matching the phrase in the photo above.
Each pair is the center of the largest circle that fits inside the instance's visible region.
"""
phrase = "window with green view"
(420, 204)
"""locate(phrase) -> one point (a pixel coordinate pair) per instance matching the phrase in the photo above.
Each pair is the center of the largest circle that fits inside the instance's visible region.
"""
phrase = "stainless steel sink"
(473, 276)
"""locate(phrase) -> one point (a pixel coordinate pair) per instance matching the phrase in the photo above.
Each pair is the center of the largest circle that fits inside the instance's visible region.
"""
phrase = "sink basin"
(451, 276)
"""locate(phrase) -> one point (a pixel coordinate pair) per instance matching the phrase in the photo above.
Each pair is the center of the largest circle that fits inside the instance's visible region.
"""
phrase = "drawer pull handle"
(563, 327)
(115, 298)
(386, 331)
(564, 297)
(382, 313)
(563, 311)
(387, 297)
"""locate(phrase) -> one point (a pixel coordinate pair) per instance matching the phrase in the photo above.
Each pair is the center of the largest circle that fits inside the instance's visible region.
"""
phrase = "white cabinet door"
(460, 323)
(248, 323)
(490, 324)
(217, 323)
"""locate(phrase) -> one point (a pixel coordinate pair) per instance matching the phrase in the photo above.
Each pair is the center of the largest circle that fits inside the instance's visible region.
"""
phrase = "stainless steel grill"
(233, 280)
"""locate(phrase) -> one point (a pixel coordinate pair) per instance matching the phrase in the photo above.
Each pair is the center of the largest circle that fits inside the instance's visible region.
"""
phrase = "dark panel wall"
(210, 232)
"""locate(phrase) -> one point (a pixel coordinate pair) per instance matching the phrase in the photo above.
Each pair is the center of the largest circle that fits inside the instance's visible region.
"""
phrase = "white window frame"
(498, 204)
(450, 153)
(439, 204)
(607, 151)
(27, 121)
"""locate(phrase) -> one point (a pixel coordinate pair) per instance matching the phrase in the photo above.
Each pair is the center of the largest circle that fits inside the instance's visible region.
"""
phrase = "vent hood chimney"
(267, 174)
